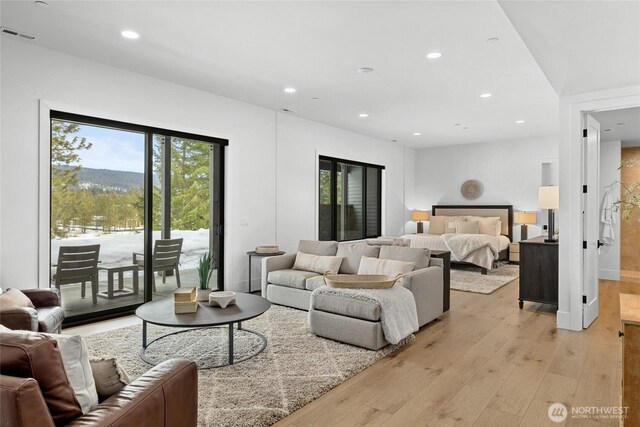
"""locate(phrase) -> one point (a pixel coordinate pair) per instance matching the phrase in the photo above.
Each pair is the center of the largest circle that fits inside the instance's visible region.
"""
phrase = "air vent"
(15, 33)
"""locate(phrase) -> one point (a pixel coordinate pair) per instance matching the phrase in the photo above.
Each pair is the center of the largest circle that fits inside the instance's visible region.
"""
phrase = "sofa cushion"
(13, 298)
(349, 307)
(317, 263)
(317, 247)
(353, 253)
(50, 318)
(109, 376)
(29, 355)
(314, 283)
(419, 256)
(387, 267)
(290, 278)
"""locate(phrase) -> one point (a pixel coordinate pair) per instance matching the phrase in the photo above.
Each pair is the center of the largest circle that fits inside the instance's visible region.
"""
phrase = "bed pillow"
(14, 298)
(436, 225)
(467, 227)
(317, 263)
(419, 256)
(489, 225)
(441, 224)
(352, 253)
(450, 223)
(387, 267)
(110, 378)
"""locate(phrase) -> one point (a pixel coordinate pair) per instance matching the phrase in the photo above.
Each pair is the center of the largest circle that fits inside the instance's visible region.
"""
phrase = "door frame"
(44, 192)
(572, 108)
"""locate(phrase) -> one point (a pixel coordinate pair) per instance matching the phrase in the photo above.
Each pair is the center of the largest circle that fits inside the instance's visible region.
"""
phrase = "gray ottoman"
(347, 320)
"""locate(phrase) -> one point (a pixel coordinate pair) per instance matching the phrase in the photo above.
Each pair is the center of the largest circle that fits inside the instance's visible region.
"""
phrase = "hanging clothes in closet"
(607, 217)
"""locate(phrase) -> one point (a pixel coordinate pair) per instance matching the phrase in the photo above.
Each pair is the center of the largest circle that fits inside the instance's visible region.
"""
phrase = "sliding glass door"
(133, 209)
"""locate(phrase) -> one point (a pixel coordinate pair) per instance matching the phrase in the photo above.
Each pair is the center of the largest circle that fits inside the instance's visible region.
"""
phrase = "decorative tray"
(360, 281)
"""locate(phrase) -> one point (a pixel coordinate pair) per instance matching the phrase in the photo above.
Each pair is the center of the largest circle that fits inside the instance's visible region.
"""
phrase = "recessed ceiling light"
(621, 123)
(315, 98)
(465, 127)
(41, 3)
(434, 55)
(456, 124)
(363, 115)
(128, 34)
(519, 122)
(486, 95)
(290, 89)
(286, 110)
(608, 130)
(417, 134)
(365, 70)
(493, 39)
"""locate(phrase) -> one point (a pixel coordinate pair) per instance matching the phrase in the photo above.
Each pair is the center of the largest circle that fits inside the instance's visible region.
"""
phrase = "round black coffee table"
(161, 312)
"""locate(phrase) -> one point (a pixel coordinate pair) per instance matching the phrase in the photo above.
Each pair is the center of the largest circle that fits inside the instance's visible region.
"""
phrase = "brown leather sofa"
(46, 317)
(34, 391)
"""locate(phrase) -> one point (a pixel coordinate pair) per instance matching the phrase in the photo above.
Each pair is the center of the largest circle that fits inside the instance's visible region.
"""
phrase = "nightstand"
(514, 253)
(538, 271)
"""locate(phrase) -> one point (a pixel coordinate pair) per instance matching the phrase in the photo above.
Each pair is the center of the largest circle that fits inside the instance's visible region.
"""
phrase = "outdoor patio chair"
(166, 257)
(78, 264)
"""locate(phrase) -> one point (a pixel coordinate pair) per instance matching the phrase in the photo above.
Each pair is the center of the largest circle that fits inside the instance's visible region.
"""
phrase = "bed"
(490, 249)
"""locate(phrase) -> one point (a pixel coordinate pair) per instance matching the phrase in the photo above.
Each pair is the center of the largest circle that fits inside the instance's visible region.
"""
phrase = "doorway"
(132, 210)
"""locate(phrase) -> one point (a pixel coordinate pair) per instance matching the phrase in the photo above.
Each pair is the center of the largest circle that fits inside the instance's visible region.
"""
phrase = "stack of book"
(185, 300)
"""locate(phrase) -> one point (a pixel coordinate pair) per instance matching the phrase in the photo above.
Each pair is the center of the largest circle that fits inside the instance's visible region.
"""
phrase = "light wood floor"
(485, 363)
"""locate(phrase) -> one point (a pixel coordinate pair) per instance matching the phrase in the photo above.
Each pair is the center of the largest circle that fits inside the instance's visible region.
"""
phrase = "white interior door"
(591, 225)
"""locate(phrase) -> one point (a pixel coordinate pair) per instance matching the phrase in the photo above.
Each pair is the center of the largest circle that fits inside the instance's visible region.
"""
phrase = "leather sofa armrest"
(273, 263)
(166, 395)
(20, 318)
(22, 403)
(43, 297)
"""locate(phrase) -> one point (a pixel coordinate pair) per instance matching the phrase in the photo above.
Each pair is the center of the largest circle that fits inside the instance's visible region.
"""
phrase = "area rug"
(295, 368)
(471, 280)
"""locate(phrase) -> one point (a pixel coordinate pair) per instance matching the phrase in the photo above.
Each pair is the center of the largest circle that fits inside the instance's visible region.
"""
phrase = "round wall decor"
(471, 189)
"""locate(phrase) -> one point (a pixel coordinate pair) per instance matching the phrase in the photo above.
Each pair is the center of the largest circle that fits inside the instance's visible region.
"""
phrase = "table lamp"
(549, 198)
(524, 218)
(419, 216)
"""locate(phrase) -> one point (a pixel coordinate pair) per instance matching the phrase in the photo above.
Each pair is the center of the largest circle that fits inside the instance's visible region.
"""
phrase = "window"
(350, 205)
(118, 190)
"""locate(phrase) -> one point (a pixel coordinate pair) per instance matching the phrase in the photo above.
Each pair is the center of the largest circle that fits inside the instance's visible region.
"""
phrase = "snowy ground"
(119, 247)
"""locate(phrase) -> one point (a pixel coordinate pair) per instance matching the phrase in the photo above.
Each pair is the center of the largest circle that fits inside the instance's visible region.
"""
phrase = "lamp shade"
(525, 217)
(549, 197)
(419, 216)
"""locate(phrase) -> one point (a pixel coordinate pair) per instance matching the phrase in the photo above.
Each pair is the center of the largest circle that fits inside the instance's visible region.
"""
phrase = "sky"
(112, 149)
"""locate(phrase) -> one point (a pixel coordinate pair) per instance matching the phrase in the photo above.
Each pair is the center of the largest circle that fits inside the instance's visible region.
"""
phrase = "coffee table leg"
(144, 334)
(230, 343)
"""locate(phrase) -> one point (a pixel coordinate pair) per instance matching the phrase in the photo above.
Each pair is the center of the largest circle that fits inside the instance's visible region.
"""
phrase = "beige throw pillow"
(436, 225)
(317, 263)
(386, 267)
(467, 227)
(489, 225)
(14, 298)
(109, 377)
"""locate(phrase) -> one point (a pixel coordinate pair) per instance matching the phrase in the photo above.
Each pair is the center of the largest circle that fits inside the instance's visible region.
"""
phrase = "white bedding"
(482, 257)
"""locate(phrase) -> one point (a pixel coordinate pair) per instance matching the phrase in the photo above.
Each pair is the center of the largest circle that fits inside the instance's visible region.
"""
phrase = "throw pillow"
(467, 227)
(75, 359)
(450, 223)
(352, 253)
(387, 267)
(491, 226)
(109, 377)
(419, 256)
(316, 263)
(14, 298)
(436, 225)
(317, 247)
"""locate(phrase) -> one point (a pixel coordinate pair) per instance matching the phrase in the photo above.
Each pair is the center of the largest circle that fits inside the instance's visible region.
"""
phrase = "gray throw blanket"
(398, 313)
(462, 245)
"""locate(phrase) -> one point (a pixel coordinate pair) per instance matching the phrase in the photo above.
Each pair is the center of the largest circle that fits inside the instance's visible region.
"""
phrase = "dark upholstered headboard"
(505, 212)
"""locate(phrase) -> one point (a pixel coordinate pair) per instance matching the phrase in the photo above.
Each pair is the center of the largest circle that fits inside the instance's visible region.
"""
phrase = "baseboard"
(609, 274)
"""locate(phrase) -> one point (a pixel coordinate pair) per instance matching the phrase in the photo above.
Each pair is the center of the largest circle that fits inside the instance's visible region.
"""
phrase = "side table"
(446, 257)
(259, 255)
(111, 269)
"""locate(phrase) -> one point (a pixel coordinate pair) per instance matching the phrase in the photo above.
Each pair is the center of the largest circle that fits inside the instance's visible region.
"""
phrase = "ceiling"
(251, 51)
(620, 125)
(582, 46)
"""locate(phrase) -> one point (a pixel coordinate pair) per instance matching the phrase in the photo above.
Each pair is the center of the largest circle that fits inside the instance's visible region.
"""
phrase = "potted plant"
(205, 269)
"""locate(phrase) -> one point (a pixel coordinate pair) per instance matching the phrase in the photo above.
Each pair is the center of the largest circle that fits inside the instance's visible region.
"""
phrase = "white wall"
(261, 171)
(510, 171)
(609, 259)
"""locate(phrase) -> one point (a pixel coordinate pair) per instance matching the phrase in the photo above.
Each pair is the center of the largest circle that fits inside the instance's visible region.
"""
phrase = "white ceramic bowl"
(222, 298)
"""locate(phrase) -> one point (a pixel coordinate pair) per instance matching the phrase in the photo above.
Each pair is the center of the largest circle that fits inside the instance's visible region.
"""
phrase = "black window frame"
(334, 196)
(149, 132)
